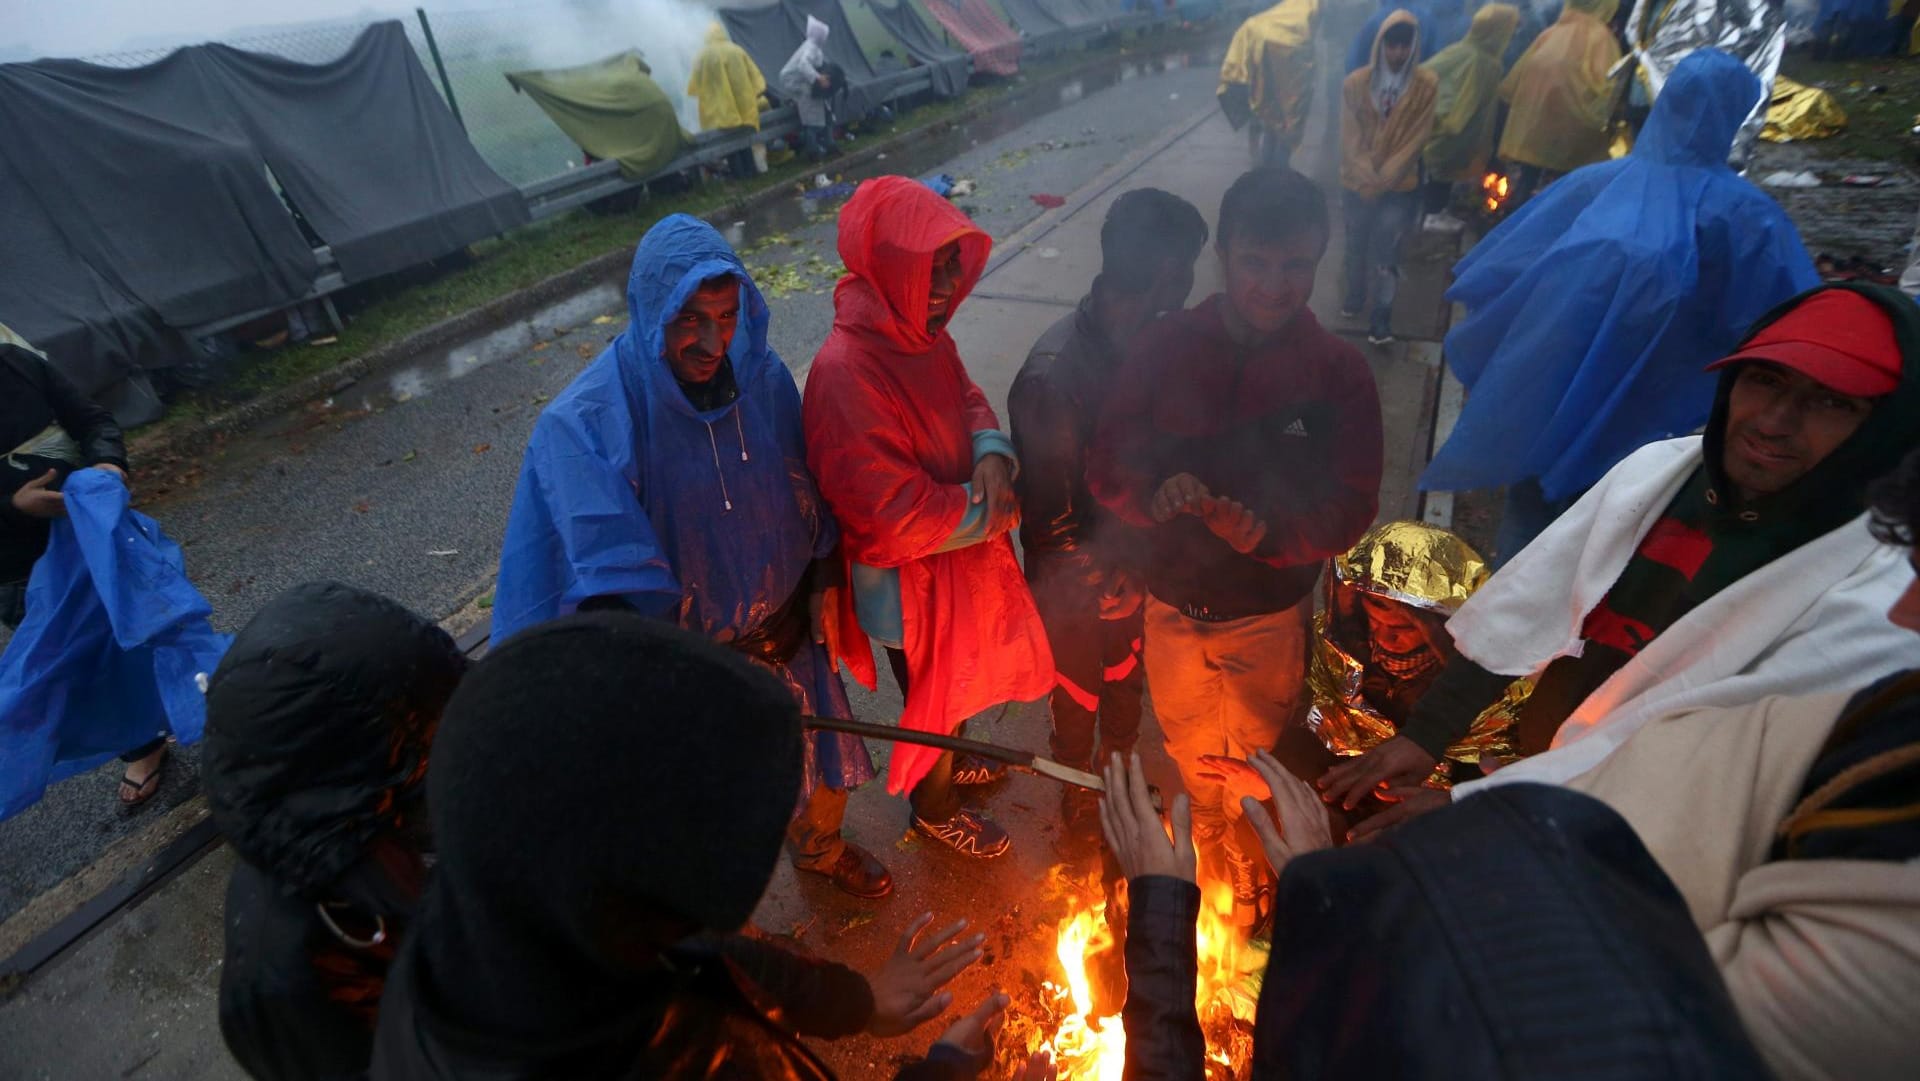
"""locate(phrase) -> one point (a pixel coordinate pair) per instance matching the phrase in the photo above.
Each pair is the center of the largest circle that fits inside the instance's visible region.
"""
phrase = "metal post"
(439, 65)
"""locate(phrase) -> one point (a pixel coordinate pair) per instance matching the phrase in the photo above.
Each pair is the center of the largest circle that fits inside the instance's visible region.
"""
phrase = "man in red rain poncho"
(910, 457)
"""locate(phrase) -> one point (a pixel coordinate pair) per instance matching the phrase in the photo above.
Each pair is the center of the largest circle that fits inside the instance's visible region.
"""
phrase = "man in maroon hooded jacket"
(1243, 439)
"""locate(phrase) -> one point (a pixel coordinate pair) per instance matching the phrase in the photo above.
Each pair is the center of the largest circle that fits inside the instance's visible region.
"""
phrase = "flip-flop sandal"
(143, 790)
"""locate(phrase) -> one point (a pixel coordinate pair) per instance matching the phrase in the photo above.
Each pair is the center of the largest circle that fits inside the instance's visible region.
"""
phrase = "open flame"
(1495, 187)
(1089, 1046)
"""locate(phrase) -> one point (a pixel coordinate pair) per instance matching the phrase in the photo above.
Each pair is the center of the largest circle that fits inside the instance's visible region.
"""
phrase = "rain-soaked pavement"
(401, 484)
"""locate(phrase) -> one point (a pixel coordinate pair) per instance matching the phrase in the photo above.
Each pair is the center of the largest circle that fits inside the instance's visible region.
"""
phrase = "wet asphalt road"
(401, 483)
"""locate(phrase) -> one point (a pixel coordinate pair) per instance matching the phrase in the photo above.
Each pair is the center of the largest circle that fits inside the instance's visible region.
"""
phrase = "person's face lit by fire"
(698, 337)
(1394, 628)
(1780, 424)
(1268, 282)
(947, 272)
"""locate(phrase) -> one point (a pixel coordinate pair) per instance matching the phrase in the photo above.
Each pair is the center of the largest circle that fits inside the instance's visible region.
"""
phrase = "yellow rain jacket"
(1469, 72)
(1559, 92)
(727, 84)
(1382, 154)
(1272, 56)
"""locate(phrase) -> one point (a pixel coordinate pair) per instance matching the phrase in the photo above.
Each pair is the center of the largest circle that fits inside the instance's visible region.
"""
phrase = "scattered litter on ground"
(444, 552)
(482, 448)
(485, 602)
(1048, 253)
(940, 184)
(1051, 202)
(962, 188)
(602, 320)
(821, 180)
(410, 456)
(324, 340)
(1786, 179)
(832, 191)
(537, 347)
(584, 350)
(1860, 180)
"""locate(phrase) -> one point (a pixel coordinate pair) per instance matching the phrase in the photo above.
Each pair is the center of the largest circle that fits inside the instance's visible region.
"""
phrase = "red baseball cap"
(1837, 338)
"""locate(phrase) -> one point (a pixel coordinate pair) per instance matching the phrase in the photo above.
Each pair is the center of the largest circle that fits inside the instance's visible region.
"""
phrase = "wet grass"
(503, 265)
(1882, 100)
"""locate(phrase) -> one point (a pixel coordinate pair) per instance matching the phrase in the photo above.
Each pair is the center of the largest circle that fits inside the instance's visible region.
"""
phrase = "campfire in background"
(1075, 1010)
(1494, 188)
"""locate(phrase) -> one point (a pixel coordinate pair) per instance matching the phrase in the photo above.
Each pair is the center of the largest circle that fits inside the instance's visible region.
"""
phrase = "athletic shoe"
(968, 832)
(971, 771)
(1380, 337)
(1442, 223)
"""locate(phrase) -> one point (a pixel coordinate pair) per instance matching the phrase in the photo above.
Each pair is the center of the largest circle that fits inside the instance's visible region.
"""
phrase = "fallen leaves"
(584, 350)
(482, 448)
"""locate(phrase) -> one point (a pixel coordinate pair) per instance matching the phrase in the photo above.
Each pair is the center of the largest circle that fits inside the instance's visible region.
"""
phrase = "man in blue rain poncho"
(1588, 311)
(670, 478)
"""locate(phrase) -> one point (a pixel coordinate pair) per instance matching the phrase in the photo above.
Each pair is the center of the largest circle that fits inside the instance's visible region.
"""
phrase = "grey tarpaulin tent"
(770, 35)
(149, 193)
(949, 66)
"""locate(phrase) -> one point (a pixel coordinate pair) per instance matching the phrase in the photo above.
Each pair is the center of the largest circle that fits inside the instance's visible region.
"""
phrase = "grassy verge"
(504, 265)
(1881, 97)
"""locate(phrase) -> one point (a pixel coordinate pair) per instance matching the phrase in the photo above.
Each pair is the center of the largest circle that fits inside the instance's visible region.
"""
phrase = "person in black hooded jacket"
(609, 796)
(319, 723)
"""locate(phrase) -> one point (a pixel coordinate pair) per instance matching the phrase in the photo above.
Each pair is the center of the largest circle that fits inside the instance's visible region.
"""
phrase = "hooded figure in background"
(1589, 309)
(1386, 114)
(319, 724)
(802, 80)
(1466, 101)
(1560, 95)
(726, 83)
(670, 478)
(579, 922)
(1268, 77)
(911, 458)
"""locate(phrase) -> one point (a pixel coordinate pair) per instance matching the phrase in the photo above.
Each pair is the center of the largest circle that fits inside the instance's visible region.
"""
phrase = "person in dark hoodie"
(48, 429)
(579, 921)
(1088, 602)
(670, 479)
(319, 723)
(1704, 571)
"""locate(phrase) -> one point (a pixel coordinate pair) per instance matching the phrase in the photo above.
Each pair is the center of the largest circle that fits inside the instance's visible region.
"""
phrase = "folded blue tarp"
(113, 649)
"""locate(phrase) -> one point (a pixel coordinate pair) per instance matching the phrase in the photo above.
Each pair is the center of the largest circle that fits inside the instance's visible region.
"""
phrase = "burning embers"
(1076, 1012)
(1494, 189)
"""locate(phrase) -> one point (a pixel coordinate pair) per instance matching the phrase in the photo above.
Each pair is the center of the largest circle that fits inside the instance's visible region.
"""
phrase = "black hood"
(319, 721)
(603, 784)
(1834, 491)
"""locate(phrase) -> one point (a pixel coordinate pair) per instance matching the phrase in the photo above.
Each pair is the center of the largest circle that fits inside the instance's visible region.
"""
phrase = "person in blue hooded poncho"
(1589, 311)
(670, 478)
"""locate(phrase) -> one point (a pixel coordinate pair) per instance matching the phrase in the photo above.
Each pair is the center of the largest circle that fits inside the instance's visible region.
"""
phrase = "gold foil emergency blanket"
(1799, 112)
(1424, 568)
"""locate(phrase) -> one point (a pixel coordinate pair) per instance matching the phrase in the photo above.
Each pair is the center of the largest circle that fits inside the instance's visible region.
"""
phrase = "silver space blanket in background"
(1663, 32)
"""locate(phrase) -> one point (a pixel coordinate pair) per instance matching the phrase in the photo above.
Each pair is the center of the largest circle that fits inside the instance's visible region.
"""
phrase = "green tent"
(613, 109)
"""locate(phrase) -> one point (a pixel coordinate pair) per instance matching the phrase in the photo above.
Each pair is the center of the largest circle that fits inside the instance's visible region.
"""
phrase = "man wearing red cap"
(1710, 570)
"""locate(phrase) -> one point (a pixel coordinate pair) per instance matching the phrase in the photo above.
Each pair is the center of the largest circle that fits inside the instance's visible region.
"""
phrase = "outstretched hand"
(1234, 523)
(1132, 827)
(973, 1034)
(1398, 762)
(1408, 803)
(907, 989)
(1298, 823)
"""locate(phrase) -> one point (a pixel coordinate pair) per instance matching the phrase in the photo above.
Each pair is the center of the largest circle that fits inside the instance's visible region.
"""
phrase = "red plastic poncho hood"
(889, 232)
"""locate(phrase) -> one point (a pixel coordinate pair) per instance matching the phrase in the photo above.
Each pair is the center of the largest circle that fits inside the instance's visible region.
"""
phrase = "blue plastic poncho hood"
(1593, 311)
(111, 653)
(1699, 112)
(708, 519)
